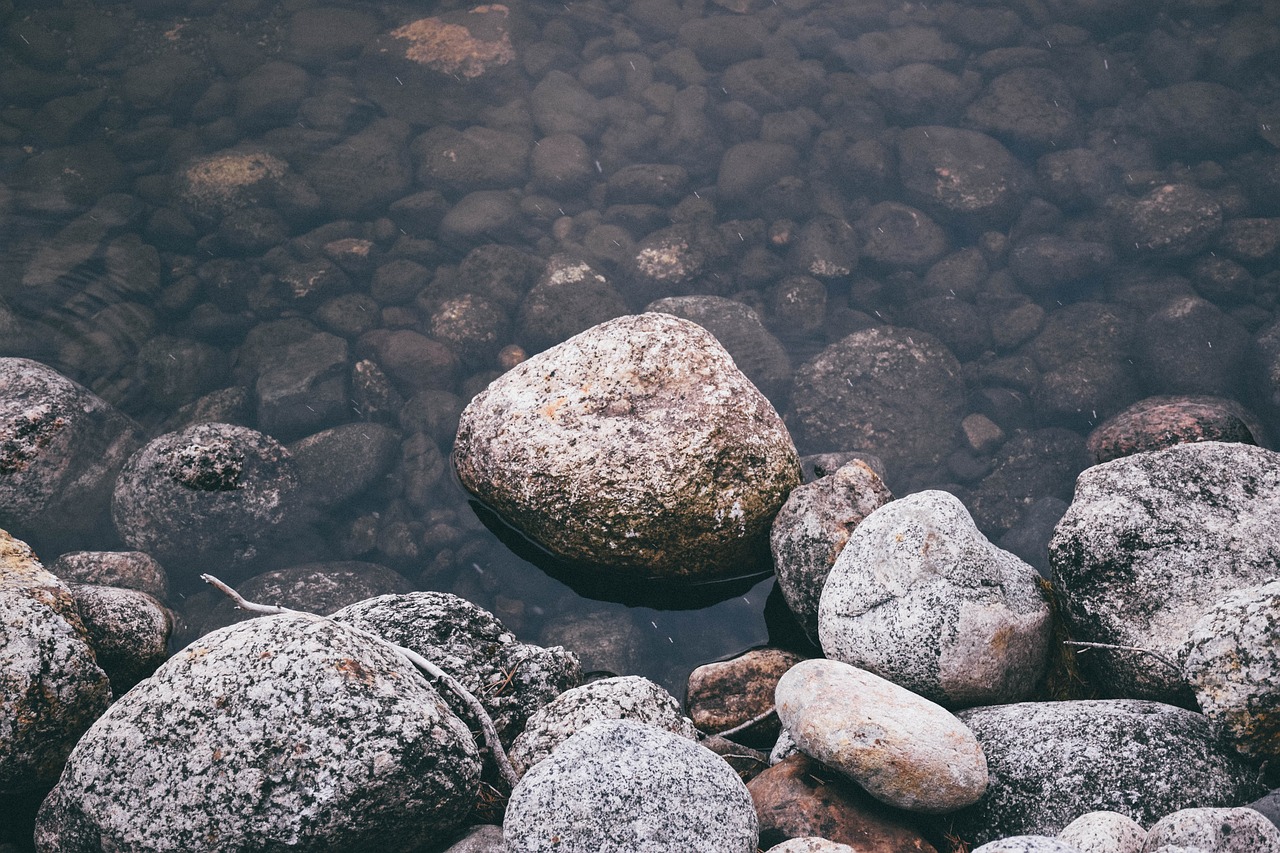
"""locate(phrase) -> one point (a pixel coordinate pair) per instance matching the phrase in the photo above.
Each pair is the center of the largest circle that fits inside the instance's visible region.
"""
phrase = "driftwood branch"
(742, 727)
(1113, 647)
(418, 661)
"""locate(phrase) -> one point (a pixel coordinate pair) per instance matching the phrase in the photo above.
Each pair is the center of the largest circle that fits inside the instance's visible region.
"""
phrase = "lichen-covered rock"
(1104, 832)
(128, 631)
(61, 447)
(627, 697)
(1051, 762)
(214, 185)
(919, 596)
(901, 748)
(619, 786)
(812, 528)
(510, 678)
(286, 731)
(1232, 661)
(636, 445)
(1150, 541)
(208, 496)
(128, 569)
(51, 687)
(1221, 830)
(895, 392)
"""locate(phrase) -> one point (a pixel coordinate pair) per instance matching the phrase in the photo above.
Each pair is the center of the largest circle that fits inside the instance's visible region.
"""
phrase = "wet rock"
(1230, 660)
(738, 328)
(963, 328)
(673, 259)
(896, 235)
(1050, 267)
(624, 785)
(798, 798)
(901, 748)
(920, 597)
(1079, 393)
(826, 248)
(722, 40)
(480, 839)
(1029, 537)
(1150, 542)
(1254, 242)
(798, 307)
(1053, 761)
(51, 687)
(1027, 107)
(481, 216)
(1171, 221)
(471, 326)
(920, 91)
(811, 844)
(561, 165)
(474, 158)
(961, 173)
(398, 281)
(1076, 178)
(892, 391)
(413, 361)
(58, 181)
(812, 529)
(61, 448)
(748, 168)
(727, 694)
(605, 641)
(569, 297)
(543, 443)
(364, 172)
(1222, 830)
(306, 390)
(1104, 832)
(269, 95)
(648, 183)
(886, 49)
(511, 679)
(128, 631)
(561, 105)
(1155, 423)
(214, 185)
(126, 569)
(207, 497)
(319, 35)
(1028, 467)
(173, 371)
(627, 697)
(339, 463)
(1189, 346)
(1085, 330)
(1197, 119)
(364, 734)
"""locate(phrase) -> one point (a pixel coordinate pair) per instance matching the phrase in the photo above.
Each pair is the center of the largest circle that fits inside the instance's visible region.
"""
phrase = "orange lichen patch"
(355, 670)
(455, 48)
(554, 407)
(219, 178)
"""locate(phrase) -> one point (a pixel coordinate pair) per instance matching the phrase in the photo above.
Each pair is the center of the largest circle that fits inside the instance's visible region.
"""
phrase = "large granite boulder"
(636, 445)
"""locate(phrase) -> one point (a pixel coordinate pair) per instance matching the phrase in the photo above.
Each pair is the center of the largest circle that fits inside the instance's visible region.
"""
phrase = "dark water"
(115, 271)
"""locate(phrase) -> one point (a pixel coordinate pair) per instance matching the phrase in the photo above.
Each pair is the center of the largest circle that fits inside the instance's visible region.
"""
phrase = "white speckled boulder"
(288, 731)
(922, 598)
(619, 786)
(128, 630)
(1104, 832)
(1232, 662)
(1150, 542)
(637, 445)
(903, 749)
(1226, 830)
(1028, 844)
(810, 844)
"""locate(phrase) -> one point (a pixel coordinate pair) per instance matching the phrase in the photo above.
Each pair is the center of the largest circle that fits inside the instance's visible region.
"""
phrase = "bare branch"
(477, 710)
(1113, 647)
(742, 727)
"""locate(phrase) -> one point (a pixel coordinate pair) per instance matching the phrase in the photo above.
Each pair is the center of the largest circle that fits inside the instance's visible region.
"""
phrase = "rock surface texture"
(1104, 832)
(637, 445)
(920, 597)
(1228, 830)
(1150, 541)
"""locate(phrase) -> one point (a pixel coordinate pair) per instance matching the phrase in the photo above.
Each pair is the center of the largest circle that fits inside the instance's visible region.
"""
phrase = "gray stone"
(895, 235)
(51, 687)
(920, 597)
(128, 569)
(1218, 830)
(482, 839)
(339, 463)
(903, 749)
(285, 731)
(1171, 221)
(569, 297)
(1232, 661)
(1104, 832)
(627, 697)
(812, 529)
(1028, 107)
(637, 446)
(811, 844)
(1150, 541)
(127, 629)
(306, 390)
(1027, 844)
(512, 679)
(619, 786)
(952, 172)
(1051, 762)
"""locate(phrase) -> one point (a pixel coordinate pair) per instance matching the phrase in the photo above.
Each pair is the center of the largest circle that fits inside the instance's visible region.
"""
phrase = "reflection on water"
(300, 215)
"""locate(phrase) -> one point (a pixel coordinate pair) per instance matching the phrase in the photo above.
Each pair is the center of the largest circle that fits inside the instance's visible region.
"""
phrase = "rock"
(901, 748)
(481, 839)
(306, 390)
(474, 158)
(1049, 266)
(275, 732)
(1028, 467)
(810, 845)
(1251, 241)
(1189, 346)
(730, 693)
(648, 183)
(1027, 107)
(1155, 423)
(799, 797)
(920, 597)
(749, 168)
(1230, 660)
(1171, 221)
(214, 185)
(512, 679)
(1268, 806)
(892, 391)
(623, 785)
(606, 641)
(812, 529)
(826, 248)
(414, 361)
(895, 235)
(365, 171)
(207, 497)
(127, 569)
(673, 259)
(559, 104)
(1104, 832)
(577, 448)
(1051, 762)
(1197, 119)
(128, 631)
(569, 297)
(339, 463)
(61, 447)
(479, 216)
(961, 173)
(466, 42)
(1220, 830)
(1027, 844)
(627, 697)
(921, 91)
(269, 95)
(562, 166)
(51, 687)
(319, 35)
(1150, 542)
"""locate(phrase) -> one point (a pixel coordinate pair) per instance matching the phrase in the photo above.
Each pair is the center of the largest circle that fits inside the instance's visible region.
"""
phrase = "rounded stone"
(636, 445)
(901, 748)
(1104, 832)
(1222, 830)
(1027, 844)
(727, 694)
(919, 596)
(128, 569)
(810, 844)
(953, 172)
(620, 786)
(1155, 423)
(127, 629)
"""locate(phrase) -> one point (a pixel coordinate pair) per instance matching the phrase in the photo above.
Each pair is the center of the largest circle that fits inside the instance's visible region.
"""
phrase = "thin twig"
(1113, 647)
(473, 704)
(741, 727)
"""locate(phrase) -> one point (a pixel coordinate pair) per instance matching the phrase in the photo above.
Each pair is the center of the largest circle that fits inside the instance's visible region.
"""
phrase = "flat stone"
(727, 694)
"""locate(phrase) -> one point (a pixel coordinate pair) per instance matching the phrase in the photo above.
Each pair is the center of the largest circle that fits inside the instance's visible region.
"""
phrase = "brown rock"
(1159, 422)
(799, 797)
(728, 693)
(459, 43)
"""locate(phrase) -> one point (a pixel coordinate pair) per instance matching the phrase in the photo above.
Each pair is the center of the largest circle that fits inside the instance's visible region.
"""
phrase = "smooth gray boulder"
(1104, 832)
(287, 731)
(1027, 844)
(1150, 542)
(1051, 762)
(127, 629)
(636, 446)
(1223, 830)
(619, 786)
(919, 596)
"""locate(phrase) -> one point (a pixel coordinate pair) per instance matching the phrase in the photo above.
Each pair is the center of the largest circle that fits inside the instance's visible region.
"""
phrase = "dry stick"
(741, 727)
(417, 660)
(1164, 660)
